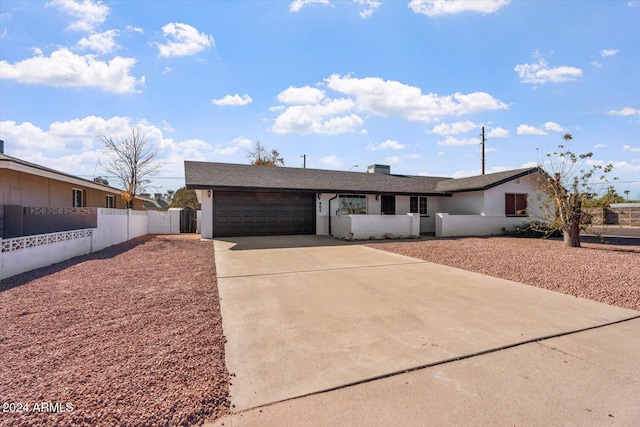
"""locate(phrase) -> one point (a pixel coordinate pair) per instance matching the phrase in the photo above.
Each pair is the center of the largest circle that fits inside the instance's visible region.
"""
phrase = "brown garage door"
(263, 214)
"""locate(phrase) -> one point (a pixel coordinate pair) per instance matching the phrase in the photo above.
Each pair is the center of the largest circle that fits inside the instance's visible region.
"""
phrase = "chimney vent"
(1, 146)
(385, 169)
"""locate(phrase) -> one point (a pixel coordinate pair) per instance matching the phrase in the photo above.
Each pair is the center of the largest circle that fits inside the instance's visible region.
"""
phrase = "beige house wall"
(19, 188)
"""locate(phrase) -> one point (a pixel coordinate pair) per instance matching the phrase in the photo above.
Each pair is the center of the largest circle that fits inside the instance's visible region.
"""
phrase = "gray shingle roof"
(208, 175)
(234, 176)
(482, 182)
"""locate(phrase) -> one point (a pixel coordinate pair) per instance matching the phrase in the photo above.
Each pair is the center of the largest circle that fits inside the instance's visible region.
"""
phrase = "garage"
(248, 213)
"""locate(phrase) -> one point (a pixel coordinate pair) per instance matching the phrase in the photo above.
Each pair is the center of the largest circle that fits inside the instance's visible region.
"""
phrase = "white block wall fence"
(362, 227)
(474, 225)
(21, 254)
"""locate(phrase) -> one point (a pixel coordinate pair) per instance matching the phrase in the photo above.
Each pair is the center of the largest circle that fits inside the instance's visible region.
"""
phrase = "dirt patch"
(131, 335)
(600, 272)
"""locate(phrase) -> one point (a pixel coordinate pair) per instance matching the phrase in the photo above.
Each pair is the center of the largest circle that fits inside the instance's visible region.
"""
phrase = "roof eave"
(315, 190)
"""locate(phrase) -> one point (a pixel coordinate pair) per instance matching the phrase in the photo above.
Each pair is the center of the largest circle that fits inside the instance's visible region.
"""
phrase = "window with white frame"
(78, 198)
(515, 204)
(353, 204)
(418, 205)
(111, 201)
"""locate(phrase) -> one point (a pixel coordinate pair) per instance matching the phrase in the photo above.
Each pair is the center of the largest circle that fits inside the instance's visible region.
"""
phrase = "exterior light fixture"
(209, 193)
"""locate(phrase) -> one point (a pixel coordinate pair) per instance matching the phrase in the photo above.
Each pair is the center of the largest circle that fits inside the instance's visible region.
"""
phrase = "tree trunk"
(572, 235)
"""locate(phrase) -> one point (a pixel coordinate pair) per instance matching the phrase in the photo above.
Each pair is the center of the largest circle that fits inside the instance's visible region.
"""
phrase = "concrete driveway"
(325, 328)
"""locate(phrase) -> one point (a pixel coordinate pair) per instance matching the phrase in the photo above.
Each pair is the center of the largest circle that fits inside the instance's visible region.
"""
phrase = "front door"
(388, 205)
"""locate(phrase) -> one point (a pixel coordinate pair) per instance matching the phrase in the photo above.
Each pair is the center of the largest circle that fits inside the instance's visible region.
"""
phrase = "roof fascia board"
(311, 190)
(495, 184)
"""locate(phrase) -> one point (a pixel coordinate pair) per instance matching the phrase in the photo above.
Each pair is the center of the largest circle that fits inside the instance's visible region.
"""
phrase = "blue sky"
(404, 83)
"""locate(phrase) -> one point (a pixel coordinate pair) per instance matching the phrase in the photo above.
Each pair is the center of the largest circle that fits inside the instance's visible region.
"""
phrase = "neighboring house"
(27, 187)
(249, 200)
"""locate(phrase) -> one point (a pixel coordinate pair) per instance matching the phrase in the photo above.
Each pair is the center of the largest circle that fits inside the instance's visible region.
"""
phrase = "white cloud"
(389, 97)
(529, 165)
(183, 40)
(312, 111)
(540, 72)
(393, 160)
(525, 129)
(234, 147)
(167, 127)
(296, 5)
(89, 13)
(453, 128)
(554, 127)
(100, 42)
(450, 7)
(368, 7)
(389, 144)
(300, 95)
(134, 29)
(440, 153)
(233, 100)
(620, 166)
(498, 133)
(449, 140)
(74, 134)
(72, 146)
(323, 118)
(64, 68)
(331, 161)
(596, 64)
(166, 71)
(630, 148)
(625, 111)
(609, 52)
(601, 146)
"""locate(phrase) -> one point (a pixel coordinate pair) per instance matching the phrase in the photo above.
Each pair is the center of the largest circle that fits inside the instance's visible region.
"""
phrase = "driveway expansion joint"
(599, 365)
(278, 273)
(438, 363)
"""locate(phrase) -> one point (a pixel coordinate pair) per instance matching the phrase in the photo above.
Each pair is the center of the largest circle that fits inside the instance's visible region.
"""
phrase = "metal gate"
(188, 220)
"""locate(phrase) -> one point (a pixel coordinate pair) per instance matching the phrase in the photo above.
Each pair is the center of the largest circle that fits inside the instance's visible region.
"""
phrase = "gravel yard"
(600, 272)
(131, 335)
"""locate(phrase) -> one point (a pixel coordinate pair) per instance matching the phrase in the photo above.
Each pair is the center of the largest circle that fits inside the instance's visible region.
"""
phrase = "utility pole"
(483, 158)
(304, 161)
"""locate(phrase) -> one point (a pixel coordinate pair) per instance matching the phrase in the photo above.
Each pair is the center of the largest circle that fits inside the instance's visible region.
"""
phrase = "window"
(354, 204)
(111, 202)
(418, 205)
(515, 204)
(78, 198)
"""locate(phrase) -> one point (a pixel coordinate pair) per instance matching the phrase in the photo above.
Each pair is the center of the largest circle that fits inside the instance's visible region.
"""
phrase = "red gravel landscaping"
(601, 272)
(131, 335)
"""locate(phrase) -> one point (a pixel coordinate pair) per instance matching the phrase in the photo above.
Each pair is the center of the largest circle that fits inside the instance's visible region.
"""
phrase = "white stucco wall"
(138, 223)
(322, 211)
(27, 253)
(164, 222)
(494, 197)
(468, 203)
(206, 206)
(364, 227)
(112, 228)
(474, 225)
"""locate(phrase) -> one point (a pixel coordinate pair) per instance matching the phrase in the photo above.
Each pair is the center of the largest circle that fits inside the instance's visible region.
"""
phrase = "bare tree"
(564, 188)
(260, 156)
(131, 161)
